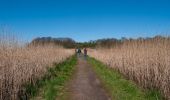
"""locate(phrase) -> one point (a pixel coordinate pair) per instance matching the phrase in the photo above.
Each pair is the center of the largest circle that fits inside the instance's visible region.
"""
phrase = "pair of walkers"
(78, 51)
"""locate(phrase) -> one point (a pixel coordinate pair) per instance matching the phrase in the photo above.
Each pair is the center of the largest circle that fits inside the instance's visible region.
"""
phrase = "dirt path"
(85, 85)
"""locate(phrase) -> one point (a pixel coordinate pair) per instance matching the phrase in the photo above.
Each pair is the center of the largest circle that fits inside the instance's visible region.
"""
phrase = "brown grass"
(147, 62)
(19, 65)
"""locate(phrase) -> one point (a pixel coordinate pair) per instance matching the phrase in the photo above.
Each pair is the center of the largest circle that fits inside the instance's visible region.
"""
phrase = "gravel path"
(85, 85)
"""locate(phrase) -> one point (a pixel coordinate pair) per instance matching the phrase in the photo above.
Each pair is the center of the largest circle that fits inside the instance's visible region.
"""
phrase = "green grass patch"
(118, 87)
(50, 86)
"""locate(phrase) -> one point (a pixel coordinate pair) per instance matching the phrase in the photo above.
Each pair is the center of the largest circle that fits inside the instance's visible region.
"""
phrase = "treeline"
(113, 42)
(65, 42)
(105, 43)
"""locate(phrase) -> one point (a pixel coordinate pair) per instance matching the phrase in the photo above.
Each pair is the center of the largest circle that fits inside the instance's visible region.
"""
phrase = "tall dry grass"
(147, 62)
(23, 64)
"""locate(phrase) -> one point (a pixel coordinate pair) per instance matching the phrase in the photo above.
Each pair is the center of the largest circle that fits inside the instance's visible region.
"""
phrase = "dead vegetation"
(147, 62)
(23, 64)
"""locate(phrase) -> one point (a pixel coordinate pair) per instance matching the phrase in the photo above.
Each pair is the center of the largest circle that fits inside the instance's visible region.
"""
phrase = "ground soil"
(85, 85)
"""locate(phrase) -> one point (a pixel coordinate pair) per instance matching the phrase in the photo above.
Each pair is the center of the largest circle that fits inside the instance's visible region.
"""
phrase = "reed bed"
(25, 64)
(146, 62)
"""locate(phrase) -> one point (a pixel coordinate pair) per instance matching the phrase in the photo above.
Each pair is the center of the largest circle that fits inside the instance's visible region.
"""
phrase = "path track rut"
(85, 85)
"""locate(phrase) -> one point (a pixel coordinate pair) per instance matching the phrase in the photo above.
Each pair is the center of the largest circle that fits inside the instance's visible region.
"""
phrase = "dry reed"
(147, 62)
(20, 65)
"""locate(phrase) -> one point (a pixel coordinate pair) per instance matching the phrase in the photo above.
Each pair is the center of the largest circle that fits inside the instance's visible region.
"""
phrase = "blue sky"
(85, 20)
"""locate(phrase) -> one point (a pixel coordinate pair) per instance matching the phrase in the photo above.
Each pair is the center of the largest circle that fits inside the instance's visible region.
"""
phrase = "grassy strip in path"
(51, 85)
(118, 87)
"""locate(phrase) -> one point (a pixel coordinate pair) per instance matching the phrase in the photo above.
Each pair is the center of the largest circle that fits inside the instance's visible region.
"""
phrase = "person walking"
(85, 52)
(79, 51)
(75, 50)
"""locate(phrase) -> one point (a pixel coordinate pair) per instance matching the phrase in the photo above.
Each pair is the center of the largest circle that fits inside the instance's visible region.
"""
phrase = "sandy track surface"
(85, 85)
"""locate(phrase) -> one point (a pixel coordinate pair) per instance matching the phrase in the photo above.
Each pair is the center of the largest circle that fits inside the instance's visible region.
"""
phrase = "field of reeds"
(145, 61)
(20, 64)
